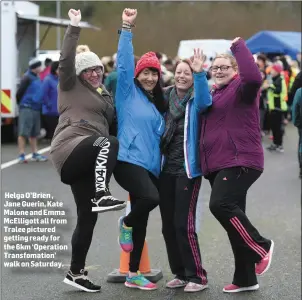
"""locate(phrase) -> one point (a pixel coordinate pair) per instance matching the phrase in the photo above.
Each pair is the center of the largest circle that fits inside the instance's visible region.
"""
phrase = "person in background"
(50, 112)
(169, 64)
(111, 80)
(29, 98)
(297, 121)
(295, 86)
(47, 68)
(180, 179)
(159, 57)
(140, 106)
(232, 159)
(287, 71)
(82, 151)
(277, 97)
(263, 100)
(261, 61)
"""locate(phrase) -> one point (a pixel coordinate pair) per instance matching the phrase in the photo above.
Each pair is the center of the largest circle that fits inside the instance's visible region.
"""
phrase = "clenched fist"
(236, 40)
(75, 17)
(129, 15)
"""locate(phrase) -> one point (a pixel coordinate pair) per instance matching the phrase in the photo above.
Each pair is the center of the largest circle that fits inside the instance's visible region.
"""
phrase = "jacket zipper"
(203, 142)
(161, 123)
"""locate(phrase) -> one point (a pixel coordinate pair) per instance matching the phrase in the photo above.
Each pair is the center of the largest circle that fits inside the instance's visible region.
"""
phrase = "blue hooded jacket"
(50, 95)
(140, 124)
(32, 97)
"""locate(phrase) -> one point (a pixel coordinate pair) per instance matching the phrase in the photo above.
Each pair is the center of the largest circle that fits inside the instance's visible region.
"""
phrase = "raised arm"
(248, 71)
(67, 72)
(125, 55)
(202, 96)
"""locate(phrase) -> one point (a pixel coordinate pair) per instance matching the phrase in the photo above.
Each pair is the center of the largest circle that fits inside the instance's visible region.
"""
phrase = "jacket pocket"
(131, 138)
(233, 145)
(132, 143)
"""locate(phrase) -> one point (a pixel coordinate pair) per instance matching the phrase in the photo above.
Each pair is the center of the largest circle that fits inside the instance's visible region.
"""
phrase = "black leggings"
(277, 118)
(142, 187)
(88, 170)
(228, 204)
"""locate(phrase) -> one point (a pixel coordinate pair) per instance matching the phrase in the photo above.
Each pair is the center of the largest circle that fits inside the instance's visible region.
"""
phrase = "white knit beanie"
(86, 60)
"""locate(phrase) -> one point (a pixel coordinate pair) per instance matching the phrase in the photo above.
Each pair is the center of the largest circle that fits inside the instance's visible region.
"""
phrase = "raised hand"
(129, 15)
(236, 40)
(197, 60)
(74, 16)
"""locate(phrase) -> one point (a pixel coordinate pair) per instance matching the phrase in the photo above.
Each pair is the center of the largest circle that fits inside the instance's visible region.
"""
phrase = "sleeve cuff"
(200, 74)
(74, 29)
(127, 34)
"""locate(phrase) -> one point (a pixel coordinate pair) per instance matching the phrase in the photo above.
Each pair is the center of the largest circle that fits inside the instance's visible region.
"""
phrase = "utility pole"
(58, 15)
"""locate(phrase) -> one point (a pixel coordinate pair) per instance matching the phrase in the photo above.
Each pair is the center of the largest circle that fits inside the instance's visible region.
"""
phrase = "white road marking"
(28, 156)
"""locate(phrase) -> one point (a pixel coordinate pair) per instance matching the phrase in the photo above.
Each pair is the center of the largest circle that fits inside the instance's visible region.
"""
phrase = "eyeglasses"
(97, 70)
(222, 68)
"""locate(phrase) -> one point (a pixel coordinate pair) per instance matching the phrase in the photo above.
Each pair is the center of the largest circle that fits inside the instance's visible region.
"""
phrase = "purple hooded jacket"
(230, 131)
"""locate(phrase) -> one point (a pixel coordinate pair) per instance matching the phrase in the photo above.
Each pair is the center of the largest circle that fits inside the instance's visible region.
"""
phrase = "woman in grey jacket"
(82, 150)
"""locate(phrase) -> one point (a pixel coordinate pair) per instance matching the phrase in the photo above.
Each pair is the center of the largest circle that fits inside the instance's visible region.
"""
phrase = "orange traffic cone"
(119, 275)
(144, 265)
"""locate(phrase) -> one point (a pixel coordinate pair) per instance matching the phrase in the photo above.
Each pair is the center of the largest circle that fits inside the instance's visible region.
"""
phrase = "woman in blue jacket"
(180, 179)
(50, 100)
(140, 106)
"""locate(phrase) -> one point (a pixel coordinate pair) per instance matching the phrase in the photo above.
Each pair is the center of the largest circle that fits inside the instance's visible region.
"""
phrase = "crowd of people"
(159, 128)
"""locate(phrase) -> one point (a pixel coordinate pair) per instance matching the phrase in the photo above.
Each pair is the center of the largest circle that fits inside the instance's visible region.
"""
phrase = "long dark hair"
(157, 95)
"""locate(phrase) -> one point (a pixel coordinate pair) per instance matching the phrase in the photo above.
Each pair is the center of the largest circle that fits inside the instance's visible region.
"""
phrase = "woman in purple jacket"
(232, 160)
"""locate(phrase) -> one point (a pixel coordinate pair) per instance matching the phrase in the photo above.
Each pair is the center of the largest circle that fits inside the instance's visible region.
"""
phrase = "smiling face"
(183, 76)
(93, 76)
(223, 69)
(148, 78)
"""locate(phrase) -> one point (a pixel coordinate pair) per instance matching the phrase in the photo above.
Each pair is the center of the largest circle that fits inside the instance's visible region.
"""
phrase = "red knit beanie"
(277, 67)
(148, 60)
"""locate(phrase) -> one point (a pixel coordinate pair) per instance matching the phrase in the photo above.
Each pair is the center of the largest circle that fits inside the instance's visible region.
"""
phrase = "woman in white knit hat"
(82, 150)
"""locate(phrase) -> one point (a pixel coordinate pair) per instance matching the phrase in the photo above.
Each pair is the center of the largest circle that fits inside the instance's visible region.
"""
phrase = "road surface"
(274, 207)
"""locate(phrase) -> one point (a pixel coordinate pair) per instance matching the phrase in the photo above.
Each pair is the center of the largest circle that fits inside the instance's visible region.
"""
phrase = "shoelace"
(86, 278)
(110, 197)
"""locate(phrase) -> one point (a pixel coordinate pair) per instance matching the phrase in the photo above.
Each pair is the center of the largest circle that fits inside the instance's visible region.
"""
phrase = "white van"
(20, 41)
(210, 48)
